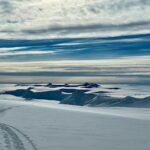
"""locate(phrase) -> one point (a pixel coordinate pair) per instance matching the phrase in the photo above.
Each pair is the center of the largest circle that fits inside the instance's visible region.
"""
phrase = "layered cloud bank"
(59, 18)
(107, 40)
(112, 59)
(116, 70)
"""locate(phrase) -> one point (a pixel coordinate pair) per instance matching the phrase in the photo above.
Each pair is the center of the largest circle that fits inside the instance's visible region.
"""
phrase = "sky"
(75, 41)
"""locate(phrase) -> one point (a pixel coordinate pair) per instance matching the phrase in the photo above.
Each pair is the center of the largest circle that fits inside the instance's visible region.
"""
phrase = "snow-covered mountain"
(88, 94)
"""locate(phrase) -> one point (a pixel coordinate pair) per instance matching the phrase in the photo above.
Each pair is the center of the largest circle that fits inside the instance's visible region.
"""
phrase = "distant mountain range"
(80, 95)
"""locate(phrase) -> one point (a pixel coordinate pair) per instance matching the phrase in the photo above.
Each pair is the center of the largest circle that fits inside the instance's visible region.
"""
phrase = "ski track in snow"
(14, 139)
(5, 109)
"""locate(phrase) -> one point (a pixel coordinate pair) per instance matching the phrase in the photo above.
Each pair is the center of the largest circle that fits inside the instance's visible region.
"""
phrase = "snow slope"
(45, 125)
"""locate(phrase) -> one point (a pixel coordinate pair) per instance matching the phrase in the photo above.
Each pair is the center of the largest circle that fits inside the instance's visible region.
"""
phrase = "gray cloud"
(40, 19)
(89, 28)
(6, 7)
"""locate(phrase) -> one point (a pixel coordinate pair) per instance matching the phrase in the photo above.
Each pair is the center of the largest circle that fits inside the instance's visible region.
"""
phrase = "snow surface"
(59, 127)
(45, 125)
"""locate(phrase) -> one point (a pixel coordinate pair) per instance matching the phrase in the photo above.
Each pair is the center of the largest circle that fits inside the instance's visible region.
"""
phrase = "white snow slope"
(46, 125)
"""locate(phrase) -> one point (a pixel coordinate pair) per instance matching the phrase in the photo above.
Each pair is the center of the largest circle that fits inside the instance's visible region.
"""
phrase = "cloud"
(121, 66)
(5, 54)
(89, 28)
(124, 70)
(75, 48)
(56, 38)
(5, 7)
(59, 18)
(21, 51)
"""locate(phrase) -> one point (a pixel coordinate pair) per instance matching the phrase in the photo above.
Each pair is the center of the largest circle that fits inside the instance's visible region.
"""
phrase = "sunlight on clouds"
(25, 53)
(79, 79)
(130, 65)
(59, 18)
(33, 40)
